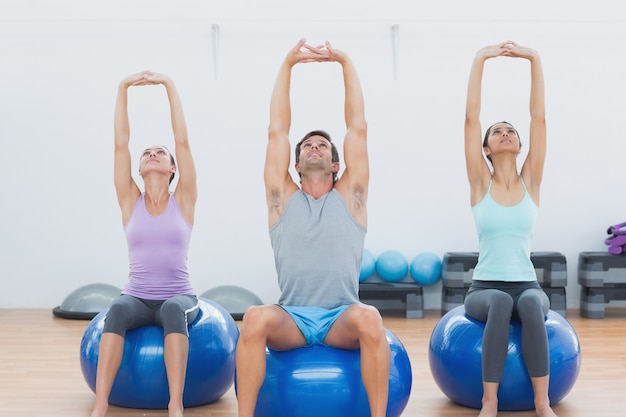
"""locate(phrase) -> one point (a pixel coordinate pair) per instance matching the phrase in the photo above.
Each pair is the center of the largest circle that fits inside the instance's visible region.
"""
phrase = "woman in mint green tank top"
(504, 201)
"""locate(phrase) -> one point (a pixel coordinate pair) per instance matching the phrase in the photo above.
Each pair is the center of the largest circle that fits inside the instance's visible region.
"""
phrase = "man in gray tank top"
(317, 231)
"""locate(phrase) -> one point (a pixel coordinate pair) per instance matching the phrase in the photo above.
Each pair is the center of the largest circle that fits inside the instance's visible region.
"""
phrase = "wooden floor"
(40, 373)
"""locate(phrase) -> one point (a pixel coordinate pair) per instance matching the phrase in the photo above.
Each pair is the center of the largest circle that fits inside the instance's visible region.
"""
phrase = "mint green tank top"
(504, 238)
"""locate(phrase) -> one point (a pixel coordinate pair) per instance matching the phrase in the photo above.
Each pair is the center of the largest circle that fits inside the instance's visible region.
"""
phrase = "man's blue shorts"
(314, 322)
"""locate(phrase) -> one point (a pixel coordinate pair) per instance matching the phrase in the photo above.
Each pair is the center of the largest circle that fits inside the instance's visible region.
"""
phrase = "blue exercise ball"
(392, 266)
(141, 381)
(368, 265)
(425, 269)
(324, 381)
(455, 361)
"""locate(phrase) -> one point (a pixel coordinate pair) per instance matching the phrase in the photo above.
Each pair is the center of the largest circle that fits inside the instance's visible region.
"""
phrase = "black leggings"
(173, 314)
(497, 303)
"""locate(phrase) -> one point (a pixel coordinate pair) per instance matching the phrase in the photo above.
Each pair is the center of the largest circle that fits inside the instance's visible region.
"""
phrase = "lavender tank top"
(157, 250)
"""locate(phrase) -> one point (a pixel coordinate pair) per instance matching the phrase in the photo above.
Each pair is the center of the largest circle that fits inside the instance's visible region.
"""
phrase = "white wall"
(60, 63)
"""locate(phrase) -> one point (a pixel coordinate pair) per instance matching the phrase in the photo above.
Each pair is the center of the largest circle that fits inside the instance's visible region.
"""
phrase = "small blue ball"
(392, 266)
(426, 269)
(368, 265)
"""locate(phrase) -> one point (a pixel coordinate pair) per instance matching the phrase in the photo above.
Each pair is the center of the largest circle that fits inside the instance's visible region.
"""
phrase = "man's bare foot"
(100, 410)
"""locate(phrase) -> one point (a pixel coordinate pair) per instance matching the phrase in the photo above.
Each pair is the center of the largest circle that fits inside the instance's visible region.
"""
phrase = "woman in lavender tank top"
(158, 291)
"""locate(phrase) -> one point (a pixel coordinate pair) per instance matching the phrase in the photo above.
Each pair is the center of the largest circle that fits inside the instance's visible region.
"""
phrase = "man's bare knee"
(368, 322)
(254, 323)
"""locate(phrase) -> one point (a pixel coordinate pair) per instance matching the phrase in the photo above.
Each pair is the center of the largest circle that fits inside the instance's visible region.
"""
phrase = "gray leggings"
(497, 303)
(173, 314)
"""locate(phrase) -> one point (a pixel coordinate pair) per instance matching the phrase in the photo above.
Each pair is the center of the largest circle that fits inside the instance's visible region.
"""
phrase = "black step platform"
(458, 270)
(409, 294)
(602, 277)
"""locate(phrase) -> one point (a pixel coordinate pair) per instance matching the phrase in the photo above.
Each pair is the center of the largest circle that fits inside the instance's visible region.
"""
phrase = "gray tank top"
(318, 247)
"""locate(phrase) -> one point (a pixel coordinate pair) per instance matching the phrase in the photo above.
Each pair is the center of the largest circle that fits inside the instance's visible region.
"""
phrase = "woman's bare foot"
(175, 411)
(545, 411)
(490, 409)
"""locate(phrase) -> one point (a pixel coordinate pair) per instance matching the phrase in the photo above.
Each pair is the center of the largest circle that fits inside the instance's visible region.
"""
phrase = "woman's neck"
(156, 192)
(505, 173)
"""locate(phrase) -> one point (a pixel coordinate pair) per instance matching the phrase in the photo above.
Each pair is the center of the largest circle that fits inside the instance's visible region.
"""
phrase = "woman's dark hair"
(488, 132)
(325, 135)
(173, 163)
